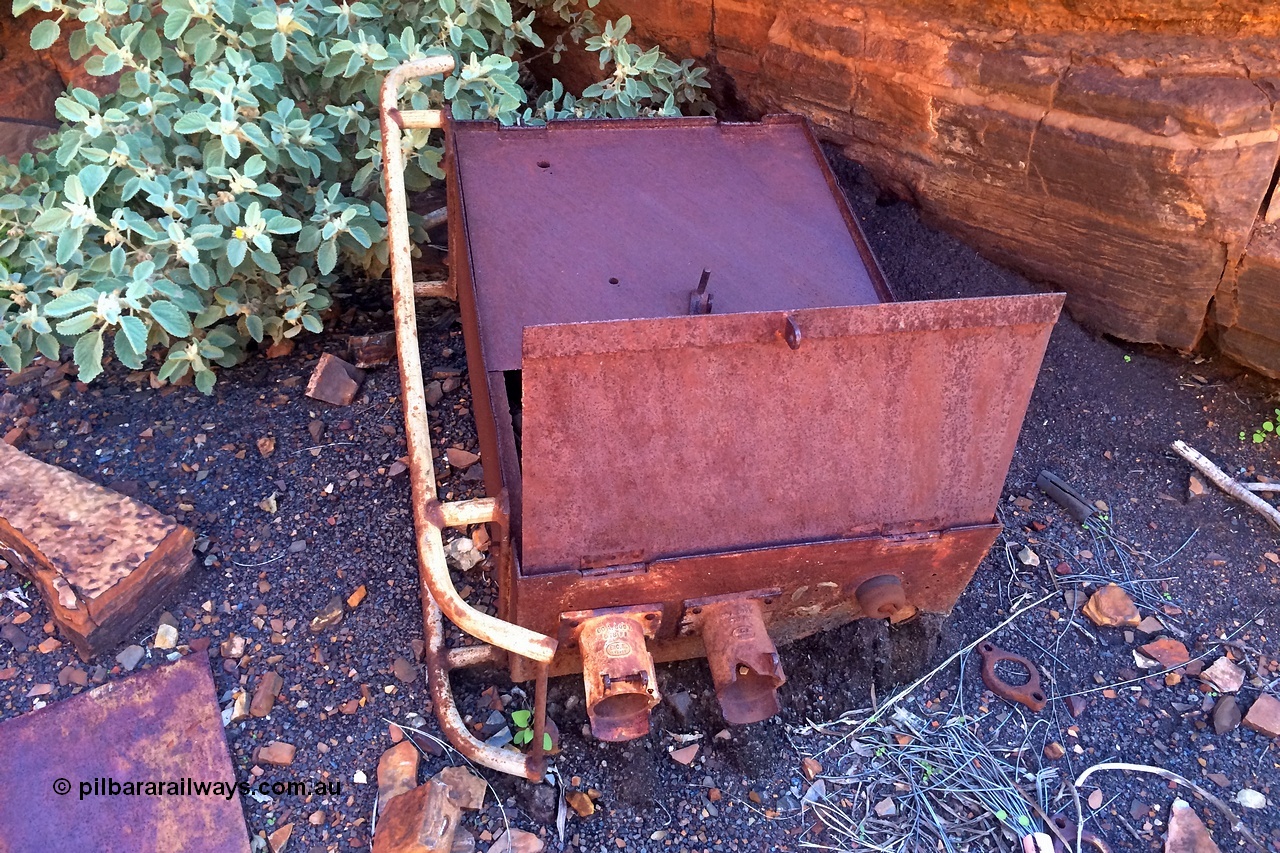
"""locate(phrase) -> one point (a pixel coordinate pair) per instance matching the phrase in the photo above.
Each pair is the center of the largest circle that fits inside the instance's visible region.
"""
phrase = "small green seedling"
(523, 721)
(1262, 433)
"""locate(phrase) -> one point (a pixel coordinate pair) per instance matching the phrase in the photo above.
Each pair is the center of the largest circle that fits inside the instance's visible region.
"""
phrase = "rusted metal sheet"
(816, 584)
(101, 560)
(608, 220)
(646, 439)
(161, 727)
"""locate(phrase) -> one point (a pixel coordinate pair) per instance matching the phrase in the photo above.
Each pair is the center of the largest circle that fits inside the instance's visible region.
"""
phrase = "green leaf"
(88, 355)
(136, 333)
(327, 257)
(546, 742)
(171, 318)
(43, 35)
(77, 325)
(70, 303)
(522, 718)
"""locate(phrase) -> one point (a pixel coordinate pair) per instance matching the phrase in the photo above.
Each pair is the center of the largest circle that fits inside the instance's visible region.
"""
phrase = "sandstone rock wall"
(1122, 150)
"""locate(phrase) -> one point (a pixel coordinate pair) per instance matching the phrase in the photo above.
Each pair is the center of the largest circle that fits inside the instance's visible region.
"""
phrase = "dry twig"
(1227, 483)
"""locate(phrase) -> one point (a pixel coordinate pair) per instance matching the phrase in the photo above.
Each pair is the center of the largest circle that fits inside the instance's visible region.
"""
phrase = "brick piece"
(397, 772)
(264, 696)
(334, 381)
(102, 561)
(1264, 716)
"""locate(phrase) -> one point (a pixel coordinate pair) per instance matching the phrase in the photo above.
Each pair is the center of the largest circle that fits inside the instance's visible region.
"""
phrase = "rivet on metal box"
(708, 430)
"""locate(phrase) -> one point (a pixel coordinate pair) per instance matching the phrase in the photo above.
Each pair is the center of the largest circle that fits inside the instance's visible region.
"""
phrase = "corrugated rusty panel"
(587, 221)
(646, 439)
(162, 725)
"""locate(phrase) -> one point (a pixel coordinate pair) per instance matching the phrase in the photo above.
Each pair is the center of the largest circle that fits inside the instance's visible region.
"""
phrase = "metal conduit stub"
(617, 672)
(881, 597)
(743, 659)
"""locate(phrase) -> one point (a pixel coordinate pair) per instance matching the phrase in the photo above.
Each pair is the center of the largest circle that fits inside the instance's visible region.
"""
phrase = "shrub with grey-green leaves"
(210, 202)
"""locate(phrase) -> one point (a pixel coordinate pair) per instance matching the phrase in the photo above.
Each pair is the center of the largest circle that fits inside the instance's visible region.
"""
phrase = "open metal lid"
(613, 220)
(656, 438)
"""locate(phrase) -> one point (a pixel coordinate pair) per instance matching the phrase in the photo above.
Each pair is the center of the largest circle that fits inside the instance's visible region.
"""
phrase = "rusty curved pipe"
(439, 597)
(431, 561)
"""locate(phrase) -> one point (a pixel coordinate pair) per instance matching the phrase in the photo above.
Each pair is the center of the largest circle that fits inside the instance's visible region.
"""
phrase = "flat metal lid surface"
(584, 221)
(160, 731)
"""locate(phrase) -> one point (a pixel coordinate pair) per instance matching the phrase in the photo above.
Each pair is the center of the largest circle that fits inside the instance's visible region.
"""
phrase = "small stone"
(404, 671)
(1226, 715)
(72, 675)
(354, 599)
(166, 637)
(465, 788)
(434, 393)
(1053, 751)
(1264, 716)
(279, 839)
(334, 381)
(886, 807)
(397, 772)
(15, 637)
(277, 752)
(1187, 833)
(49, 645)
(316, 818)
(327, 617)
(517, 841)
(239, 707)
(581, 804)
(462, 554)
(1111, 607)
(264, 696)
(1095, 799)
(681, 703)
(1076, 705)
(1028, 557)
(232, 647)
(373, 350)
(1251, 799)
(460, 459)
(266, 446)
(39, 690)
(1224, 676)
(1195, 486)
(1151, 626)
(130, 657)
(685, 754)
(1169, 653)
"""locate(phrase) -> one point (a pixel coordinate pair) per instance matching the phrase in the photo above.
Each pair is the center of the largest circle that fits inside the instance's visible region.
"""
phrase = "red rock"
(1169, 653)
(1264, 716)
(461, 459)
(1187, 833)
(278, 840)
(685, 754)
(277, 752)
(1111, 607)
(466, 788)
(264, 696)
(101, 561)
(397, 772)
(373, 350)
(1076, 705)
(280, 348)
(411, 822)
(517, 841)
(1224, 676)
(334, 381)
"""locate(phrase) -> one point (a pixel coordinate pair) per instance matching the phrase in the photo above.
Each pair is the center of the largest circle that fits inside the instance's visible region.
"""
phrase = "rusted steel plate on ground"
(101, 560)
(607, 220)
(646, 439)
(158, 726)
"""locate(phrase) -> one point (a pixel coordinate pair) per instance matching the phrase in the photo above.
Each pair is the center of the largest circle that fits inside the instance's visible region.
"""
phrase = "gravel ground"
(1102, 417)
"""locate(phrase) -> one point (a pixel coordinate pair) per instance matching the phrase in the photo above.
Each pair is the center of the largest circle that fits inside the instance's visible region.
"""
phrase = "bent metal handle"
(434, 569)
